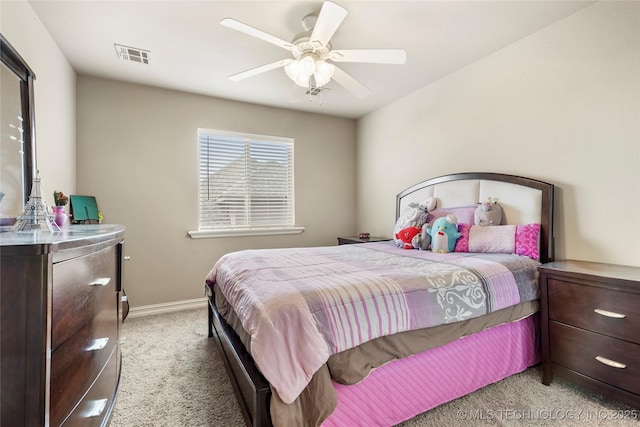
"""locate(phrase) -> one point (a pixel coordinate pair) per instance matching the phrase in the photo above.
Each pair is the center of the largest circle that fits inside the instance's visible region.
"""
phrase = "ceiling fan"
(312, 65)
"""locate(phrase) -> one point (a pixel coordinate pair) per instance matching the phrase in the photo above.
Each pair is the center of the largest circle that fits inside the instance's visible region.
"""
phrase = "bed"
(350, 334)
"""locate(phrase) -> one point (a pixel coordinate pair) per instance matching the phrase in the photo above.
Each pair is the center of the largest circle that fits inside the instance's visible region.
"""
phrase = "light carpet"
(173, 375)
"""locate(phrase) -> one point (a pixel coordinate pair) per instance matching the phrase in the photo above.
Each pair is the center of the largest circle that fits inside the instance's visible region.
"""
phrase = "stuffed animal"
(415, 215)
(429, 204)
(406, 236)
(423, 240)
(488, 213)
(444, 234)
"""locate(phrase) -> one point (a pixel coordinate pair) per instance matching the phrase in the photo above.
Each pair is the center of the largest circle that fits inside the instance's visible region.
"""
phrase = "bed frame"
(523, 200)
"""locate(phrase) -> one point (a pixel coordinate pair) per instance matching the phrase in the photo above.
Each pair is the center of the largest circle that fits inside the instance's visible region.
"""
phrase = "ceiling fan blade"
(248, 29)
(349, 83)
(330, 17)
(254, 71)
(372, 56)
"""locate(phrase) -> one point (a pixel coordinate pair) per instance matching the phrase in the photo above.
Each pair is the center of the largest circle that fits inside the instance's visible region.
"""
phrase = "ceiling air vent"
(134, 54)
(315, 91)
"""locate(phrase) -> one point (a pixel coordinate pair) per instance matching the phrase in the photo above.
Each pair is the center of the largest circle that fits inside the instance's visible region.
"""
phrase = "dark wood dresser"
(591, 327)
(60, 325)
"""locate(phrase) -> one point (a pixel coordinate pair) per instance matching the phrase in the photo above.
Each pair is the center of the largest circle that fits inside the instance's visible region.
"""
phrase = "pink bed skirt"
(405, 388)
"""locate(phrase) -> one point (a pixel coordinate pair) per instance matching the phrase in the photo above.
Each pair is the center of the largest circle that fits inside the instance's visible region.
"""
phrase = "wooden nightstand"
(591, 327)
(355, 239)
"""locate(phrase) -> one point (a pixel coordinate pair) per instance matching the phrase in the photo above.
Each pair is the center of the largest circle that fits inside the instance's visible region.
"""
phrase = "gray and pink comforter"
(302, 305)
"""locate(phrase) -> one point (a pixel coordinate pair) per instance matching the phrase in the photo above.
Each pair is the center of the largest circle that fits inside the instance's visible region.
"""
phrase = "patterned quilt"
(301, 305)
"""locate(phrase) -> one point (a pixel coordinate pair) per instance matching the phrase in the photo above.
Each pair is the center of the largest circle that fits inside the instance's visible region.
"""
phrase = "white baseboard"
(167, 307)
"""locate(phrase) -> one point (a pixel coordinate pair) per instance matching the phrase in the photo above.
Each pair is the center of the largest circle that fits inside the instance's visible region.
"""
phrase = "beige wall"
(562, 105)
(54, 95)
(137, 153)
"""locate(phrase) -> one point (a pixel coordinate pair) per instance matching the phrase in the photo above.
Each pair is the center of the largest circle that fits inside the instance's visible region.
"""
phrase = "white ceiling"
(190, 51)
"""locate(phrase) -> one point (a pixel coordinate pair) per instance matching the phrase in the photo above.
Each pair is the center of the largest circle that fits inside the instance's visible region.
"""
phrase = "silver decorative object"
(36, 215)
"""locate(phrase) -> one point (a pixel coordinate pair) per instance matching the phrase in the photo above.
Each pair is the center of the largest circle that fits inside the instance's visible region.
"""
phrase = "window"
(245, 184)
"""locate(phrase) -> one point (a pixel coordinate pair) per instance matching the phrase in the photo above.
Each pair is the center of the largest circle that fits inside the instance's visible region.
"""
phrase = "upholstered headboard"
(523, 200)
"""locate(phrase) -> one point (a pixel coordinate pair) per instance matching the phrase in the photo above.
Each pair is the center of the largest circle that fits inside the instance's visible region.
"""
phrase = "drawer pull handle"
(102, 281)
(610, 362)
(94, 408)
(611, 314)
(98, 344)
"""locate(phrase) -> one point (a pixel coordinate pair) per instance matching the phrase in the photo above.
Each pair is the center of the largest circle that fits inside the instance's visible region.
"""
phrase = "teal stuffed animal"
(444, 234)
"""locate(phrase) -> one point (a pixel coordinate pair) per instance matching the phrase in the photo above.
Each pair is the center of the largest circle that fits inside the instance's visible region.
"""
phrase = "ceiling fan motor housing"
(303, 43)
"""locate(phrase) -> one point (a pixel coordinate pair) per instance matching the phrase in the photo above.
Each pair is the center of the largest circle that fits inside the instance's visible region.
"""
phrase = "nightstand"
(591, 327)
(355, 239)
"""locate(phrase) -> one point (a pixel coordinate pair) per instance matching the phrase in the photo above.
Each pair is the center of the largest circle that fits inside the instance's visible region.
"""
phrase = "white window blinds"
(246, 181)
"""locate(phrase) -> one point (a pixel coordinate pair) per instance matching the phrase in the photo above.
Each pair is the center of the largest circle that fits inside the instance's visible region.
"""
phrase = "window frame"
(248, 230)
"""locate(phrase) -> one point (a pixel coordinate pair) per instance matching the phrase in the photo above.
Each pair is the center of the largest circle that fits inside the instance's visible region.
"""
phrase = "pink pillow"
(462, 244)
(527, 240)
(495, 238)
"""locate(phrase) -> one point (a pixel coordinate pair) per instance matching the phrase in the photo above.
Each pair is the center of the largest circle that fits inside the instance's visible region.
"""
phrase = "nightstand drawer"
(605, 311)
(577, 349)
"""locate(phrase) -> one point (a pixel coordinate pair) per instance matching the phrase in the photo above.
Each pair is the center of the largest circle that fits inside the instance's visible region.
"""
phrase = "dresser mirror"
(17, 149)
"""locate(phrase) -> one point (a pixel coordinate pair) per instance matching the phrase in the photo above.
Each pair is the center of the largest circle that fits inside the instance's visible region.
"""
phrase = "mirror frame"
(12, 59)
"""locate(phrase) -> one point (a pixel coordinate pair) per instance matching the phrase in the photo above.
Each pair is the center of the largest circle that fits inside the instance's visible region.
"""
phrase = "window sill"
(209, 234)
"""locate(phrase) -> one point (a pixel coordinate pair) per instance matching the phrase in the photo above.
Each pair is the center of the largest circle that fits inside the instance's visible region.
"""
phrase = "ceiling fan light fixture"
(300, 71)
(323, 73)
(302, 80)
(307, 65)
(295, 73)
